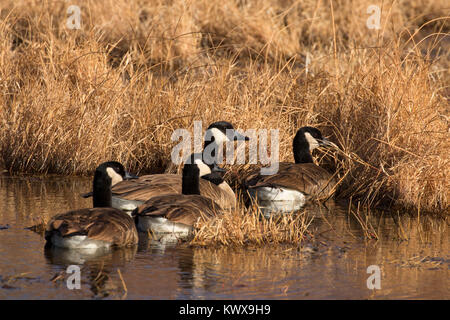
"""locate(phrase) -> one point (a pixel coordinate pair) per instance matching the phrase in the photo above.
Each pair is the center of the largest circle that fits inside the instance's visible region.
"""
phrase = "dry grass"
(247, 226)
(137, 70)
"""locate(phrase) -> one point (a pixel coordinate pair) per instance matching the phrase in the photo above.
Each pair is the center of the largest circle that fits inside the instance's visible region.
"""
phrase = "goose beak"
(129, 176)
(240, 137)
(216, 168)
(326, 143)
(87, 195)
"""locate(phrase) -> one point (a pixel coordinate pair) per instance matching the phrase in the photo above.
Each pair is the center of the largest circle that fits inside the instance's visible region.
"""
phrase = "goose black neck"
(190, 182)
(300, 148)
(211, 149)
(101, 191)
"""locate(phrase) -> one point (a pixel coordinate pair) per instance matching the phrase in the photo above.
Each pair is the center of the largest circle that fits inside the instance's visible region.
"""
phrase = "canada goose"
(98, 227)
(294, 183)
(216, 135)
(178, 213)
(128, 195)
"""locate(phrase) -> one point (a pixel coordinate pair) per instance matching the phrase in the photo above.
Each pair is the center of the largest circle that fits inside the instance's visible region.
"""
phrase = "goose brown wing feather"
(223, 195)
(184, 209)
(105, 224)
(147, 187)
(307, 178)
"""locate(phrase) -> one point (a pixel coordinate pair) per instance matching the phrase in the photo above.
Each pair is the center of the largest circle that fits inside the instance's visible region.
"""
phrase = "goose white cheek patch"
(313, 143)
(219, 136)
(214, 151)
(204, 169)
(115, 177)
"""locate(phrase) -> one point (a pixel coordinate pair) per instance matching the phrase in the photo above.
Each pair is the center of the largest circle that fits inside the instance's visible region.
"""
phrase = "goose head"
(305, 141)
(106, 175)
(223, 131)
(216, 135)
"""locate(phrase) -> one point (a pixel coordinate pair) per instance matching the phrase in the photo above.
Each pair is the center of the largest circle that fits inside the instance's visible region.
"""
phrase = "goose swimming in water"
(178, 213)
(98, 227)
(294, 183)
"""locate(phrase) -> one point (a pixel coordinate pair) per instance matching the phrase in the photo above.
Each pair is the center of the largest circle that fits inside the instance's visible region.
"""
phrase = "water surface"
(412, 254)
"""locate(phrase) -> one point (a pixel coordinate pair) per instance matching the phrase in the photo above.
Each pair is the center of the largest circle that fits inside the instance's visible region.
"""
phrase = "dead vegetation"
(246, 226)
(137, 70)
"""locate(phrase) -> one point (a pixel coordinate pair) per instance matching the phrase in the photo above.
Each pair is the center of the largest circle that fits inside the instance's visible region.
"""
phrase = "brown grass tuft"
(247, 226)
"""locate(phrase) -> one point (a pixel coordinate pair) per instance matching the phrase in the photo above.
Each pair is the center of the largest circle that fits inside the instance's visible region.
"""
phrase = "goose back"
(311, 180)
(107, 225)
(179, 208)
(149, 186)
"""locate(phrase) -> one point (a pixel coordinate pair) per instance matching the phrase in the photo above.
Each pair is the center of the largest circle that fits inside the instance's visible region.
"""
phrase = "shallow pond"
(412, 255)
